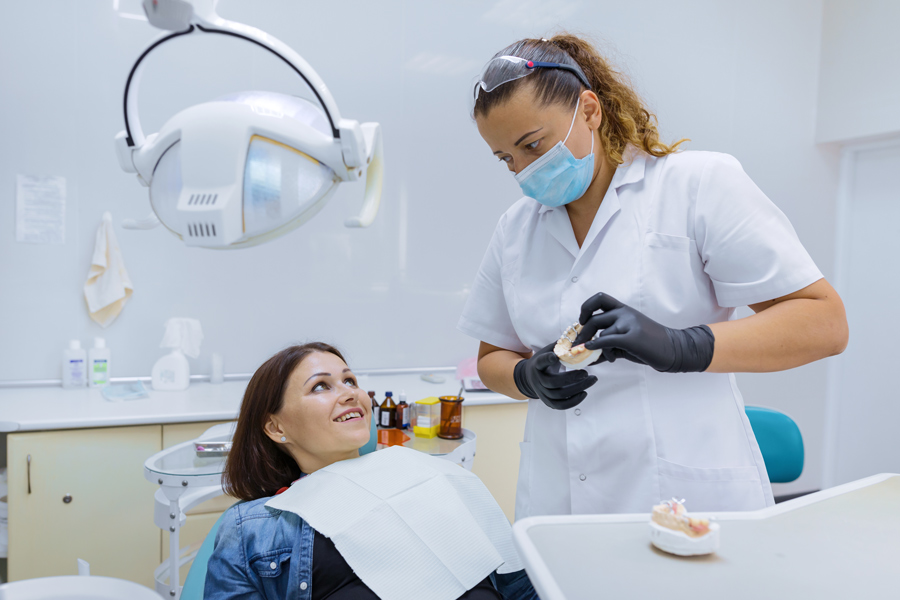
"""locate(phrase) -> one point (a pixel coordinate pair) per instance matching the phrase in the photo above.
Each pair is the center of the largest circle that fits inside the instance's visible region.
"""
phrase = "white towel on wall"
(108, 286)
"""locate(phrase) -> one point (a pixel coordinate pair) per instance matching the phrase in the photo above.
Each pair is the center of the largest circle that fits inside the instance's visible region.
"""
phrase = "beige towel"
(108, 286)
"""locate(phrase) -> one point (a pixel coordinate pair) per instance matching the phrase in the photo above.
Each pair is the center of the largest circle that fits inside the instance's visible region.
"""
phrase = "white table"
(842, 542)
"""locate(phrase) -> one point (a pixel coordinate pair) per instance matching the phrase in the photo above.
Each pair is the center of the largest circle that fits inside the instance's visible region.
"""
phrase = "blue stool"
(779, 441)
(196, 577)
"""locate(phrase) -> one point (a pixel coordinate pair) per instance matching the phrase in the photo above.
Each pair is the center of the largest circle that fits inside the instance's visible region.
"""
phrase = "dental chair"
(191, 473)
(779, 441)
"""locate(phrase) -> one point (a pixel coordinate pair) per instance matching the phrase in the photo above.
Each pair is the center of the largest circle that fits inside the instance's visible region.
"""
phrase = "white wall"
(861, 434)
(859, 91)
(734, 77)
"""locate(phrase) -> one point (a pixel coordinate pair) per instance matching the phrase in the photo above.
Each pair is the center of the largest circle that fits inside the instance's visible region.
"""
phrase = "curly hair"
(625, 118)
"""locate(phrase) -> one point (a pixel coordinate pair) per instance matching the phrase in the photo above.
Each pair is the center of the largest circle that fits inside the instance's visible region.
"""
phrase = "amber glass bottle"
(388, 412)
(375, 408)
(403, 412)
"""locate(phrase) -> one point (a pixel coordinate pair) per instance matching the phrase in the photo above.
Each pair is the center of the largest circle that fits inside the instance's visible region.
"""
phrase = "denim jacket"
(262, 553)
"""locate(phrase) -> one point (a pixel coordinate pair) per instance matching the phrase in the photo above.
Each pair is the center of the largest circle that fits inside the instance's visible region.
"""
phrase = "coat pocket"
(674, 289)
(711, 489)
(669, 242)
(272, 564)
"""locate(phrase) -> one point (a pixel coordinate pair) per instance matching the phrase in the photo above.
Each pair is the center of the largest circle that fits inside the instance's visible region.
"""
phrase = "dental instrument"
(248, 167)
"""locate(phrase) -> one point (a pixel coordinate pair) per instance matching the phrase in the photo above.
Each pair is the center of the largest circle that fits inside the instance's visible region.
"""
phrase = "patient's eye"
(320, 386)
(350, 381)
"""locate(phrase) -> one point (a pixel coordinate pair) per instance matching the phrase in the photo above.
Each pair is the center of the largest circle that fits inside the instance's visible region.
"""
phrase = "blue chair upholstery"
(779, 441)
(196, 577)
(373, 439)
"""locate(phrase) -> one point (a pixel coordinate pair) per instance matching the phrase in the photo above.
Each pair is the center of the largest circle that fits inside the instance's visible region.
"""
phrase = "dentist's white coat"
(684, 239)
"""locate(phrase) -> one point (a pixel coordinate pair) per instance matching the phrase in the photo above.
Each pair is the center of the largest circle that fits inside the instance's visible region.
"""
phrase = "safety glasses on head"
(504, 69)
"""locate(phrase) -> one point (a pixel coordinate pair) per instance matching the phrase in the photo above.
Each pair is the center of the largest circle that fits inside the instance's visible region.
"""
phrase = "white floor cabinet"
(81, 493)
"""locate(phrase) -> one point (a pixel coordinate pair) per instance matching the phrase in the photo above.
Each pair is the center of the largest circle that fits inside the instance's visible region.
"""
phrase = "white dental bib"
(410, 525)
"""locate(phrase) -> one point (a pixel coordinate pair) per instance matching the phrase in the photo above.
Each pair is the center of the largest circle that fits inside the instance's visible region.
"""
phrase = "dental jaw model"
(576, 357)
(673, 531)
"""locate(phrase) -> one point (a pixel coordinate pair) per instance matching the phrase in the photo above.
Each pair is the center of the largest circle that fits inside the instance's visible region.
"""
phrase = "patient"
(302, 411)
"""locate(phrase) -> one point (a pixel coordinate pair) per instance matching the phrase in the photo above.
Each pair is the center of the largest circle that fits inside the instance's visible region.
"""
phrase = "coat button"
(303, 585)
(577, 412)
(273, 566)
(575, 279)
(582, 477)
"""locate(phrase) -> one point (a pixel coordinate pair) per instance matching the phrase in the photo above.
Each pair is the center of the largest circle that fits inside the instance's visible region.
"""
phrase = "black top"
(332, 577)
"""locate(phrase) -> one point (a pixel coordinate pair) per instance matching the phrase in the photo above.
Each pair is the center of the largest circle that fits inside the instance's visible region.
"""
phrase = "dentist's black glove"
(539, 377)
(630, 334)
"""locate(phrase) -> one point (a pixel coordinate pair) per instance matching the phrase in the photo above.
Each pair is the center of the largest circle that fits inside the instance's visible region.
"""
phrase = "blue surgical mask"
(557, 177)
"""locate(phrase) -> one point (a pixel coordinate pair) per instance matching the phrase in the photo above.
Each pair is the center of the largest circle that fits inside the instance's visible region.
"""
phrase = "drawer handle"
(67, 498)
(28, 460)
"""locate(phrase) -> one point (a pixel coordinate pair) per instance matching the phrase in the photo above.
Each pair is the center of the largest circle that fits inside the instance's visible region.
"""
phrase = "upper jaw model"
(579, 356)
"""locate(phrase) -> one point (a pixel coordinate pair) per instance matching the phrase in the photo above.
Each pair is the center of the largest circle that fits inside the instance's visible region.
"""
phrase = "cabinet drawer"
(82, 495)
(499, 428)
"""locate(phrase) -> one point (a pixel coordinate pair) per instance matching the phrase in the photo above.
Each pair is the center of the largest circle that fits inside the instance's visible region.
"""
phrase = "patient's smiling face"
(325, 416)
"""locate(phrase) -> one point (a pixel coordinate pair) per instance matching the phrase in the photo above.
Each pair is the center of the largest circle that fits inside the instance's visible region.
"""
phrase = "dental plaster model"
(579, 356)
(673, 531)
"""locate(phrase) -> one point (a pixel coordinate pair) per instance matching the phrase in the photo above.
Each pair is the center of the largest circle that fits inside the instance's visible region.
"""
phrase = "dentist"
(651, 249)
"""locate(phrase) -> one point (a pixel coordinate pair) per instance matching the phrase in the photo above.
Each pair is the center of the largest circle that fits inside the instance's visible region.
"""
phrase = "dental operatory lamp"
(247, 167)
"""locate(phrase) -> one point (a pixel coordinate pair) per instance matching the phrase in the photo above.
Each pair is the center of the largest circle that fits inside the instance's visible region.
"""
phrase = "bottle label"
(385, 418)
(77, 372)
(99, 371)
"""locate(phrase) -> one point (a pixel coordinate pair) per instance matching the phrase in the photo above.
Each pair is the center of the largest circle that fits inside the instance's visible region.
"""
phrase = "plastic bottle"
(375, 408)
(74, 366)
(217, 369)
(403, 411)
(99, 364)
(172, 372)
(388, 413)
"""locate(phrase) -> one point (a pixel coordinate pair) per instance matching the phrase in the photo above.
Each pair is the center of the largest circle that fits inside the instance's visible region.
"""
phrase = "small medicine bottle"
(403, 410)
(387, 416)
(375, 408)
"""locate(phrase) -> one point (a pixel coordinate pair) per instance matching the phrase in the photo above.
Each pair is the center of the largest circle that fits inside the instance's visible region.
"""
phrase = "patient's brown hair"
(256, 466)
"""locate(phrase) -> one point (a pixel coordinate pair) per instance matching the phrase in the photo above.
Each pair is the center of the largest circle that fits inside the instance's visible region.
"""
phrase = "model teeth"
(573, 355)
(347, 416)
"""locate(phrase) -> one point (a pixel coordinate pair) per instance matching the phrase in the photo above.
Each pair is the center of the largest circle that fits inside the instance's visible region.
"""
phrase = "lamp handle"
(134, 134)
(148, 222)
(374, 176)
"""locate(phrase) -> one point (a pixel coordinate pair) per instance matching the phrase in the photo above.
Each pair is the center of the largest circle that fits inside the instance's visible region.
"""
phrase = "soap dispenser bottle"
(98, 364)
(74, 366)
(172, 372)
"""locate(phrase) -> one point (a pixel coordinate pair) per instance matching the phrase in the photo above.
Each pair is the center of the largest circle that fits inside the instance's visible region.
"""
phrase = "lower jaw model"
(674, 531)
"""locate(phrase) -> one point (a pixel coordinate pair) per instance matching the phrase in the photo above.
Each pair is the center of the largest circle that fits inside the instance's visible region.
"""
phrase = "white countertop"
(41, 408)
